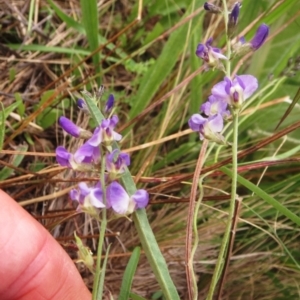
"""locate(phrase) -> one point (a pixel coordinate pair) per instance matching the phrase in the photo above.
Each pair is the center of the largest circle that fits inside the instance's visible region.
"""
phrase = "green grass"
(149, 68)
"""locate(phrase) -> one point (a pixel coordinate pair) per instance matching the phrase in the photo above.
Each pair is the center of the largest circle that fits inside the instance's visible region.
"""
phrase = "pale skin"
(32, 264)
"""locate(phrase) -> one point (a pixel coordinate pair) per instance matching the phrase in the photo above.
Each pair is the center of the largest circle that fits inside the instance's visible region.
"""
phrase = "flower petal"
(63, 156)
(195, 121)
(141, 198)
(250, 83)
(117, 197)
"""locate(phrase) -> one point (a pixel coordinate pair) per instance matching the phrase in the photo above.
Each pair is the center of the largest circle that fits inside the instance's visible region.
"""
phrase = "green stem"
(228, 46)
(97, 287)
(221, 257)
(195, 228)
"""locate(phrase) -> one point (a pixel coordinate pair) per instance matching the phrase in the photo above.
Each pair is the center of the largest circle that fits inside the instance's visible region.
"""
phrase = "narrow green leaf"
(16, 160)
(68, 20)
(51, 49)
(290, 108)
(159, 72)
(129, 273)
(90, 21)
(102, 275)
(136, 297)
(262, 194)
(147, 238)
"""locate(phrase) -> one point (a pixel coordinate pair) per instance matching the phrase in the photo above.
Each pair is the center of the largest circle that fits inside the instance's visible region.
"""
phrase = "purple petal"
(141, 198)
(69, 126)
(87, 153)
(110, 103)
(63, 156)
(260, 36)
(233, 18)
(195, 121)
(117, 198)
(96, 198)
(250, 84)
(200, 51)
(219, 90)
(216, 123)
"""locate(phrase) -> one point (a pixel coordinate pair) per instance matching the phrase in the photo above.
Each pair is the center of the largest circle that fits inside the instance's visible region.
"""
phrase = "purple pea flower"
(83, 106)
(67, 159)
(90, 151)
(118, 199)
(87, 153)
(88, 198)
(208, 128)
(63, 157)
(116, 163)
(242, 47)
(68, 126)
(215, 106)
(235, 91)
(212, 8)
(105, 133)
(110, 103)
(209, 54)
(260, 36)
(234, 15)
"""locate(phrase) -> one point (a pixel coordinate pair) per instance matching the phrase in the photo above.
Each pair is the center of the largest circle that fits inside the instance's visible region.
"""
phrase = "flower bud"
(212, 8)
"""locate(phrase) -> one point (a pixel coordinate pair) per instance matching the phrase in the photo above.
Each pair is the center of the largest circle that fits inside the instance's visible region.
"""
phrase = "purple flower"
(260, 36)
(235, 91)
(110, 103)
(215, 106)
(234, 15)
(87, 153)
(67, 159)
(242, 47)
(105, 132)
(116, 163)
(209, 54)
(83, 106)
(118, 199)
(212, 8)
(63, 157)
(87, 197)
(208, 128)
(68, 126)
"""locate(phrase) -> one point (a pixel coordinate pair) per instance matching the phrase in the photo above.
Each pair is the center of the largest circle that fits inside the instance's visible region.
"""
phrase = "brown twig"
(189, 226)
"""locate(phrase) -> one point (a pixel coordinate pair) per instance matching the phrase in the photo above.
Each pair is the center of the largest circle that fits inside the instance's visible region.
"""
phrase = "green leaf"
(68, 20)
(129, 273)
(6, 172)
(263, 195)
(159, 72)
(90, 21)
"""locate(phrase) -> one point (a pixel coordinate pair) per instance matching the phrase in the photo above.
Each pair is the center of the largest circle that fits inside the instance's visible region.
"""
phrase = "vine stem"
(190, 277)
(220, 261)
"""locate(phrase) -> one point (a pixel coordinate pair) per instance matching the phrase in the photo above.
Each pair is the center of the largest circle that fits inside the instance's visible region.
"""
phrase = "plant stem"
(220, 261)
(190, 277)
(97, 288)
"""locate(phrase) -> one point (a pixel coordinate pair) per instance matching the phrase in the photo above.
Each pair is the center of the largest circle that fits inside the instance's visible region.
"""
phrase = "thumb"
(33, 265)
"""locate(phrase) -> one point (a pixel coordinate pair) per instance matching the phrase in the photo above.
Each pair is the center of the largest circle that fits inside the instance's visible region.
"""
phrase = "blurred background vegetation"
(143, 53)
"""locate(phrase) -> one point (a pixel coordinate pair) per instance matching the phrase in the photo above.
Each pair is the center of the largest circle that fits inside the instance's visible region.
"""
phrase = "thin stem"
(192, 291)
(229, 250)
(97, 288)
(220, 261)
(228, 46)
(195, 228)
